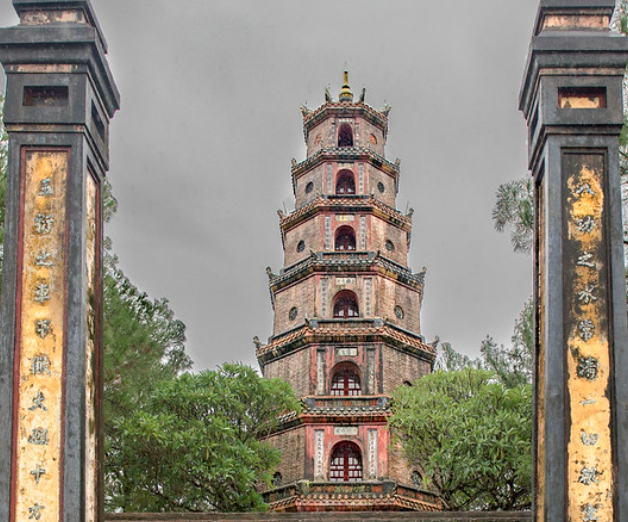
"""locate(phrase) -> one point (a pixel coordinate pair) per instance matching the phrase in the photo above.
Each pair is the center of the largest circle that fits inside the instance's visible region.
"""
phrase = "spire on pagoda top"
(345, 92)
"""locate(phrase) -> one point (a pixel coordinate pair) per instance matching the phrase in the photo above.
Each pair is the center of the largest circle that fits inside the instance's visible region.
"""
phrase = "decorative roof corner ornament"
(305, 110)
(385, 110)
(293, 162)
(434, 343)
(269, 273)
(345, 92)
(362, 95)
(410, 212)
(257, 342)
(328, 98)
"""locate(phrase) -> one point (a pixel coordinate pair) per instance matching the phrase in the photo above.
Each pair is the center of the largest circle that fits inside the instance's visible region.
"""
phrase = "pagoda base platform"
(349, 496)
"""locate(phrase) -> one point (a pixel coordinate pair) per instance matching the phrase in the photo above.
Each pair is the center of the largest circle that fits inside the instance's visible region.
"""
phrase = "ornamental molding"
(346, 154)
(325, 331)
(346, 205)
(330, 263)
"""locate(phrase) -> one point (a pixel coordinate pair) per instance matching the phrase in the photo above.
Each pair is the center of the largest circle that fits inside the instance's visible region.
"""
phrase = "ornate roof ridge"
(325, 330)
(312, 114)
(345, 151)
(363, 500)
(316, 262)
(323, 200)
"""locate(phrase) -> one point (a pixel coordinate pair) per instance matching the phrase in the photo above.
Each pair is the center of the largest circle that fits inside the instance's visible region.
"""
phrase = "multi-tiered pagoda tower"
(346, 329)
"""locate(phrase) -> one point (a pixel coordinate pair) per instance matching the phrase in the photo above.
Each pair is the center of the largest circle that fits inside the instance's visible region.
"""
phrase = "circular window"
(389, 245)
(416, 478)
(293, 313)
(309, 187)
(301, 246)
(380, 187)
(399, 312)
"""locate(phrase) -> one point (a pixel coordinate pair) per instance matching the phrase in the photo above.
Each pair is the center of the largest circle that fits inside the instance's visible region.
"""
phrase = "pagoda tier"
(346, 329)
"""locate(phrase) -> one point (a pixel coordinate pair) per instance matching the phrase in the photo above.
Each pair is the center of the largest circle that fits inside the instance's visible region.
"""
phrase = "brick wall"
(399, 367)
(389, 294)
(294, 369)
(322, 135)
(373, 177)
(299, 295)
(291, 443)
(381, 231)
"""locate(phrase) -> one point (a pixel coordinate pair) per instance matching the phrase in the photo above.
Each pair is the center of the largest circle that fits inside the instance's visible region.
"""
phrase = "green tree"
(514, 211)
(195, 445)
(449, 360)
(471, 437)
(513, 365)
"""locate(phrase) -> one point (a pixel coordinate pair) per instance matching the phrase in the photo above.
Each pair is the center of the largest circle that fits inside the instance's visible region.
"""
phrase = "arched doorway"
(346, 381)
(345, 238)
(346, 463)
(346, 305)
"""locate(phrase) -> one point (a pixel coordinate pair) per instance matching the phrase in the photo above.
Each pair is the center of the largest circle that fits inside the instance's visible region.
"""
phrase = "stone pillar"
(572, 100)
(60, 97)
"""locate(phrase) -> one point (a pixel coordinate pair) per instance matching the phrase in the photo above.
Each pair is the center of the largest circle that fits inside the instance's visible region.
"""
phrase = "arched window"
(346, 463)
(346, 381)
(345, 183)
(346, 305)
(345, 238)
(345, 136)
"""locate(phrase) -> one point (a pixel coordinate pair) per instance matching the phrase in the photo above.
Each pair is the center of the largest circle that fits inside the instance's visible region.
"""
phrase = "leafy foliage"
(514, 210)
(471, 437)
(449, 360)
(195, 445)
(513, 365)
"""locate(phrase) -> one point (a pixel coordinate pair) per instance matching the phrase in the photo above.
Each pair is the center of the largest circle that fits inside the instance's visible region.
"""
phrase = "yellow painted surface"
(581, 101)
(40, 166)
(46, 68)
(571, 22)
(59, 16)
(90, 348)
(588, 402)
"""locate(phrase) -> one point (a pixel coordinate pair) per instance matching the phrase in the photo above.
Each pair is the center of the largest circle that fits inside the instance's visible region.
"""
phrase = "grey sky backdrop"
(200, 152)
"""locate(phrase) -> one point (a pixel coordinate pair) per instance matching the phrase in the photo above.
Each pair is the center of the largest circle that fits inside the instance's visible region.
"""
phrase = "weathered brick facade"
(346, 328)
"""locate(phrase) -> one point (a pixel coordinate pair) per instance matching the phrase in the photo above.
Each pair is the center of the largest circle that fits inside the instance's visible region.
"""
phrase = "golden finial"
(345, 92)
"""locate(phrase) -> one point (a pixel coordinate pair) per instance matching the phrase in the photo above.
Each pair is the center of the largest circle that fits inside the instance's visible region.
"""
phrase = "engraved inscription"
(43, 328)
(589, 439)
(37, 473)
(38, 402)
(585, 295)
(42, 293)
(587, 368)
(40, 365)
(43, 223)
(35, 511)
(588, 475)
(39, 437)
(586, 329)
(44, 259)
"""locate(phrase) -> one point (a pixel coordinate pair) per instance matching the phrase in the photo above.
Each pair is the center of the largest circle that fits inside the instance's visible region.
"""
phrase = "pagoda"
(346, 328)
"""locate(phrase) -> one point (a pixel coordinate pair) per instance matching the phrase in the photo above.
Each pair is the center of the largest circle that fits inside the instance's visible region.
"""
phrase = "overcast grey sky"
(200, 151)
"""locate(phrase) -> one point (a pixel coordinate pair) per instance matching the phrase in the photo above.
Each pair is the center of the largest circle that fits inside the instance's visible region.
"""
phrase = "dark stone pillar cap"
(584, 7)
(21, 6)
